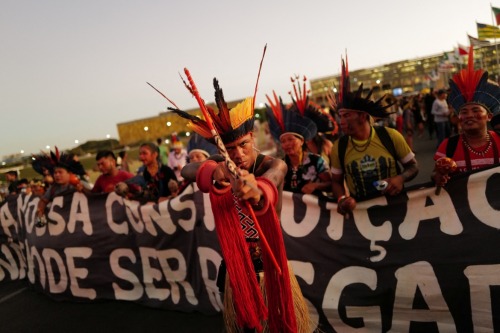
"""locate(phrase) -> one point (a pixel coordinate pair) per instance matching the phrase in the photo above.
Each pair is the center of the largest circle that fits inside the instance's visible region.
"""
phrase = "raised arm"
(273, 169)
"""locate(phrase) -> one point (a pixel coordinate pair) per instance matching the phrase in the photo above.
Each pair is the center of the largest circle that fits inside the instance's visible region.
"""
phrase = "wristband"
(269, 195)
(340, 199)
(204, 175)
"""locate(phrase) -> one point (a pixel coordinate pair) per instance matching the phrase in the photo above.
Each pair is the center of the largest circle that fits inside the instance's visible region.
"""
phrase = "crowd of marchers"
(355, 148)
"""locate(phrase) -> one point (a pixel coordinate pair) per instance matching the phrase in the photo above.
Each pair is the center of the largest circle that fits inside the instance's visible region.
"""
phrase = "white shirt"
(440, 111)
(177, 161)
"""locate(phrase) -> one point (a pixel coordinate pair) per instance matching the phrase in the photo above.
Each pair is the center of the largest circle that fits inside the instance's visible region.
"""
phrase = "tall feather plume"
(385, 110)
(345, 85)
(276, 107)
(378, 101)
(304, 92)
(288, 119)
(369, 94)
(332, 99)
(258, 76)
(359, 92)
(55, 155)
(215, 118)
(196, 124)
(301, 99)
(467, 79)
(188, 87)
(298, 86)
(224, 119)
(294, 89)
(164, 96)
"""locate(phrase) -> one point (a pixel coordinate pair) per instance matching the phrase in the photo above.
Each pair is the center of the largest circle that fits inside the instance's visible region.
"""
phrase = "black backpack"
(384, 137)
(451, 145)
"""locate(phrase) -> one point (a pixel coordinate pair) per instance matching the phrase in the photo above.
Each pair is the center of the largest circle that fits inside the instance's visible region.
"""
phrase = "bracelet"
(341, 199)
(259, 205)
(204, 175)
(268, 197)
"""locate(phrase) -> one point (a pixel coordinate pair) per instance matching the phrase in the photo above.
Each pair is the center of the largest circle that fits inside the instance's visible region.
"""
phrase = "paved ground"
(24, 310)
(424, 150)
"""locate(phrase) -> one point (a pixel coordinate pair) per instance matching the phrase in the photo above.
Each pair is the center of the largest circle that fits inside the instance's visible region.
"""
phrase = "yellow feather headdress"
(229, 123)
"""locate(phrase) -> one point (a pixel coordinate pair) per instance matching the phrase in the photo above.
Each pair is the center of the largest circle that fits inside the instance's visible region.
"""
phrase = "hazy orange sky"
(71, 70)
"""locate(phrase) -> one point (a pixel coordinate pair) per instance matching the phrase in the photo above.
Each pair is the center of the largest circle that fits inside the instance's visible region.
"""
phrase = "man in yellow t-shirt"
(368, 161)
(369, 155)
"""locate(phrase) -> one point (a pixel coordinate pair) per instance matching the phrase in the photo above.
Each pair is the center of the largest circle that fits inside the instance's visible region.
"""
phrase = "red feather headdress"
(283, 120)
(302, 104)
(472, 86)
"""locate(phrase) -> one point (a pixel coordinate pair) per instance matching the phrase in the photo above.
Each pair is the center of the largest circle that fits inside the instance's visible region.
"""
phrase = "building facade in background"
(409, 76)
(149, 129)
(396, 78)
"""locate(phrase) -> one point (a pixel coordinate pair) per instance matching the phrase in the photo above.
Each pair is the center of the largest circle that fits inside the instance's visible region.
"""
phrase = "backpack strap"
(384, 137)
(386, 140)
(451, 146)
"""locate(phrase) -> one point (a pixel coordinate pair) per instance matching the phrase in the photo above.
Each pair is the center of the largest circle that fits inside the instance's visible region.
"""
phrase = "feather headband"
(303, 105)
(44, 163)
(229, 123)
(355, 101)
(471, 86)
(283, 120)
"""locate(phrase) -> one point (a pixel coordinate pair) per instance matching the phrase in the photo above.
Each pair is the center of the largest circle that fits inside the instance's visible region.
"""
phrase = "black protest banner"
(416, 262)
(102, 247)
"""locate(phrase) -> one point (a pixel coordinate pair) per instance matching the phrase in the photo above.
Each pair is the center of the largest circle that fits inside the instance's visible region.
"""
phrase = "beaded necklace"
(474, 151)
(362, 147)
(467, 148)
(294, 182)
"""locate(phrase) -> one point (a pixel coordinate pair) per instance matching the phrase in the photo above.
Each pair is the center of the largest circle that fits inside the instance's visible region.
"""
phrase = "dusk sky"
(74, 69)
